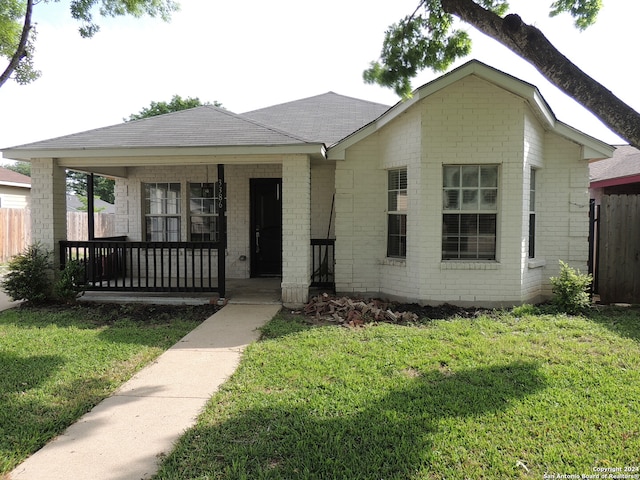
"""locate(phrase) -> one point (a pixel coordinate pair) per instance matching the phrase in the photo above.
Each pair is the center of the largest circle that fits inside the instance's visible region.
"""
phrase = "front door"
(266, 227)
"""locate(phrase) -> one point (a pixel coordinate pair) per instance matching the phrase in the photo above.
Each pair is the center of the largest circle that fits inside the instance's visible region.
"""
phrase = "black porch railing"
(116, 264)
(323, 260)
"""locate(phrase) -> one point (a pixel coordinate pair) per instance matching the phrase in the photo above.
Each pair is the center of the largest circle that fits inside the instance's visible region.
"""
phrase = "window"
(397, 214)
(470, 205)
(203, 212)
(162, 212)
(532, 214)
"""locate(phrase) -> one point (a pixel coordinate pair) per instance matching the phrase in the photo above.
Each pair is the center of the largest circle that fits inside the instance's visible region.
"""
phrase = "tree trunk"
(22, 46)
(529, 43)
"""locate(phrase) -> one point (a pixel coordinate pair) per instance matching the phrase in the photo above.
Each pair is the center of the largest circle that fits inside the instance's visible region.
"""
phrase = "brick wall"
(564, 216)
(475, 122)
(296, 230)
(470, 122)
(48, 205)
(322, 190)
(361, 198)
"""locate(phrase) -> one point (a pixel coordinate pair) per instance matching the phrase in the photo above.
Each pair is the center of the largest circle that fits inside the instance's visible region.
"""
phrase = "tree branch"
(22, 45)
(529, 43)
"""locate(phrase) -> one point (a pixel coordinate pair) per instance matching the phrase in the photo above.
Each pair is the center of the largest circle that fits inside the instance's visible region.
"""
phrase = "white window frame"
(204, 212)
(470, 212)
(162, 211)
(397, 203)
(532, 213)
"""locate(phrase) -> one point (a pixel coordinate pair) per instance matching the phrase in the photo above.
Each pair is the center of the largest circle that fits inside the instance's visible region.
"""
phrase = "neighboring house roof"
(14, 179)
(75, 205)
(325, 118)
(621, 169)
(306, 126)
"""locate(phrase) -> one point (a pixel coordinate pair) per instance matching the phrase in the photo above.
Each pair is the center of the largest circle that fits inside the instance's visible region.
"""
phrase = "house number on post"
(220, 195)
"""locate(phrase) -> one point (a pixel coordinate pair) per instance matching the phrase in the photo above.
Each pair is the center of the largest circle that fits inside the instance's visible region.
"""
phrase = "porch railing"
(117, 264)
(323, 260)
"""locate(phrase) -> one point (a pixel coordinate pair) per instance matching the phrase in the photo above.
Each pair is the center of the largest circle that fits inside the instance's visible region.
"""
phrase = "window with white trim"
(470, 208)
(162, 212)
(532, 214)
(397, 213)
(203, 212)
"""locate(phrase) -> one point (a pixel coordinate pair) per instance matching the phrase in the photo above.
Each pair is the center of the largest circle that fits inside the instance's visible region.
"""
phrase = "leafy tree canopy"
(428, 38)
(176, 104)
(18, 32)
(103, 187)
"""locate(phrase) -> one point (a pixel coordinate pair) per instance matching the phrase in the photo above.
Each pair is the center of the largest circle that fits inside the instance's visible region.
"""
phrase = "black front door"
(266, 227)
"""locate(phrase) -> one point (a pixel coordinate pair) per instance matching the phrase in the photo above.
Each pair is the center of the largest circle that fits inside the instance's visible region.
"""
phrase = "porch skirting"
(295, 295)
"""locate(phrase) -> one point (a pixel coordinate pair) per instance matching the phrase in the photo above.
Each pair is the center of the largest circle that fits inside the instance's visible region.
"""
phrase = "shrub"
(71, 281)
(569, 289)
(29, 276)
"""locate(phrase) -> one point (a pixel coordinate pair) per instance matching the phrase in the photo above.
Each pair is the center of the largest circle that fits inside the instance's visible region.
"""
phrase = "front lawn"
(57, 362)
(505, 395)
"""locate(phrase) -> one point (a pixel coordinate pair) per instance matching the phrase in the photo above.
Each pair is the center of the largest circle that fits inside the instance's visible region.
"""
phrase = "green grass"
(56, 363)
(514, 395)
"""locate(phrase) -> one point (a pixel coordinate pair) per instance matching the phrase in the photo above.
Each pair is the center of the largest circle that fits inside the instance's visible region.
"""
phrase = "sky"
(251, 54)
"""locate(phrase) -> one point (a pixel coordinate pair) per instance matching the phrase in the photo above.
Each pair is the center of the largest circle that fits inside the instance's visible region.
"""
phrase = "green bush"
(71, 281)
(29, 276)
(570, 289)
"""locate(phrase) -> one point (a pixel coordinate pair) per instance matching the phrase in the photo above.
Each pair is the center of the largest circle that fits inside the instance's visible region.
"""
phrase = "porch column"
(48, 205)
(296, 230)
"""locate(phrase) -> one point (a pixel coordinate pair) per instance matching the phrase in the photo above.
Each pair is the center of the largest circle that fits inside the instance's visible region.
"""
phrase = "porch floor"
(251, 291)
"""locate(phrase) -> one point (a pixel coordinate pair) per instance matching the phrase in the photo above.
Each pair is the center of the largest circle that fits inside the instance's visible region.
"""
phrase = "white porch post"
(48, 205)
(296, 230)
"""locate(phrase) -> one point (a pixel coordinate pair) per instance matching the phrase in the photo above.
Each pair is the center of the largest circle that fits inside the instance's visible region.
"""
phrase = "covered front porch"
(259, 217)
(203, 196)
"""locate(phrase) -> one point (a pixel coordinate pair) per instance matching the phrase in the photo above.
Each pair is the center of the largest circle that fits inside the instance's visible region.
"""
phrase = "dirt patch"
(109, 313)
(443, 311)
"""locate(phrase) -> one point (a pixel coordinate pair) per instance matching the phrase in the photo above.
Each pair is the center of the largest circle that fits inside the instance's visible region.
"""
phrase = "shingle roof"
(74, 204)
(325, 118)
(322, 119)
(197, 127)
(10, 176)
(624, 163)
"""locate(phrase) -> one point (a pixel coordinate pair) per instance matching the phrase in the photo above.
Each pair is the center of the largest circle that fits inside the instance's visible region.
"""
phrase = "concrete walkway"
(5, 301)
(126, 435)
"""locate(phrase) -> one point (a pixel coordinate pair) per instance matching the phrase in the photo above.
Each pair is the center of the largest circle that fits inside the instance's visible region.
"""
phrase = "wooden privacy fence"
(15, 232)
(15, 229)
(619, 249)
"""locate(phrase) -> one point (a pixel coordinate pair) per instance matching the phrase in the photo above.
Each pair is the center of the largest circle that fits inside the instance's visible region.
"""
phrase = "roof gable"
(592, 148)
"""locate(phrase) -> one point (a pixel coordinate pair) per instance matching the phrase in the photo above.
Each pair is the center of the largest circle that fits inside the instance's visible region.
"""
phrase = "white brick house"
(468, 193)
